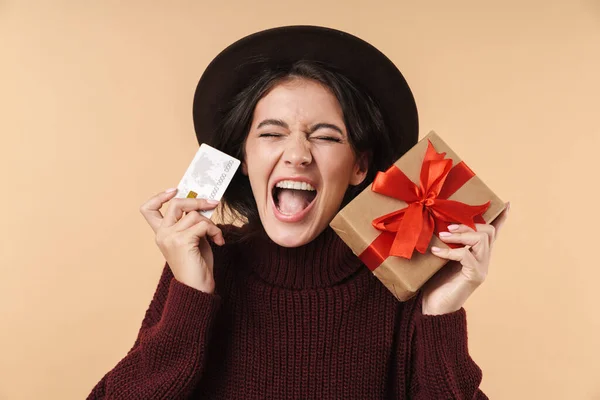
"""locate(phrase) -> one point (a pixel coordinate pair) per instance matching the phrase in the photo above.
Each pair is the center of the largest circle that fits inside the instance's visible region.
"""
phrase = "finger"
(498, 223)
(207, 229)
(460, 228)
(478, 242)
(179, 206)
(151, 208)
(188, 220)
(462, 255)
(489, 229)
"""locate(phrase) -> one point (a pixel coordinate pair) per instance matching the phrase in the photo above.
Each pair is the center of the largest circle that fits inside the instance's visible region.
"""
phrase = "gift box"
(393, 223)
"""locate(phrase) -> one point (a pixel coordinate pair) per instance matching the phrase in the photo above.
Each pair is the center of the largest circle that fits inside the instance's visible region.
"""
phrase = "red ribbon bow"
(428, 208)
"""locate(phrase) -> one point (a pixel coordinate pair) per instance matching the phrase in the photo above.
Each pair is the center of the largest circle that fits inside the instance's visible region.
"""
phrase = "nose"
(297, 153)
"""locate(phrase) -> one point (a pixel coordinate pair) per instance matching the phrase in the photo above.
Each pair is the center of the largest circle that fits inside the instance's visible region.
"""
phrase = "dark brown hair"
(367, 132)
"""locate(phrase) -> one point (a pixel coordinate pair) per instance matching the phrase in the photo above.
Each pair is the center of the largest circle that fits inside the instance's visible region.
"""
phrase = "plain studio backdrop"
(95, 117)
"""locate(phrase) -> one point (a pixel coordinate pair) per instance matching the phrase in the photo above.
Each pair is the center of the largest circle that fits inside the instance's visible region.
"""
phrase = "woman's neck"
(324, 261)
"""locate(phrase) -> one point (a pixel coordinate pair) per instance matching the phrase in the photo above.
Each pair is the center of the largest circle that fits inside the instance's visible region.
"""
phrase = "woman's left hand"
(448, 290)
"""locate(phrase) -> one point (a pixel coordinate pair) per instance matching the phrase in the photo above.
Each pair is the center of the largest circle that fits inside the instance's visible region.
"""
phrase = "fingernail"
(452, 227)
(445, 234)
(435, 249)
(170, 190)
(508, 206)
(210, 201)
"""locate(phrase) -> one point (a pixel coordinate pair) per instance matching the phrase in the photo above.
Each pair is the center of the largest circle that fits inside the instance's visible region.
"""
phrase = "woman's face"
(299, 161)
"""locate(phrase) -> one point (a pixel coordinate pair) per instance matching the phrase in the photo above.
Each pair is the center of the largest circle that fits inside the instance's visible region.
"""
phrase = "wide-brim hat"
(367, 67)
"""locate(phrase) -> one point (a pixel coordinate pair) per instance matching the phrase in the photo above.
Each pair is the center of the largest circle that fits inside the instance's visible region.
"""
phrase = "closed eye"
(329, 139)
(270, 135)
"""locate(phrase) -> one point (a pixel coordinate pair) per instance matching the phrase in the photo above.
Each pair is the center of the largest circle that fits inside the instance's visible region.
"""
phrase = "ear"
(361, 167)
(244, 168)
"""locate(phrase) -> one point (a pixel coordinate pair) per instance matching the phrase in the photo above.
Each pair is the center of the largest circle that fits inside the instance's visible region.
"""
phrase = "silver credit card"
(208, 175)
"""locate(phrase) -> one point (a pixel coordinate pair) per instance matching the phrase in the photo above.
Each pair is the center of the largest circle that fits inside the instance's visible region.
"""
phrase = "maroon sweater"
(292, 323)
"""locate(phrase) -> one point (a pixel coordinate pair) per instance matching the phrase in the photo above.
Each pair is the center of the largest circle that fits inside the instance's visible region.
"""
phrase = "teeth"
(295, 185)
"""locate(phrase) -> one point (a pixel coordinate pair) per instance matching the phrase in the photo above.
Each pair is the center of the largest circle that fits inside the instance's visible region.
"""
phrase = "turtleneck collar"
(323, 262)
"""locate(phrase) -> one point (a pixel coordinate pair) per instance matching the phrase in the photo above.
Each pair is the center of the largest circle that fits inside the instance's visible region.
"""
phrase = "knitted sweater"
(292, 323)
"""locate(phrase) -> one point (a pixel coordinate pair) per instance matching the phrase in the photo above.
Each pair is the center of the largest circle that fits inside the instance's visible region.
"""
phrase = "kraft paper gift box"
(406, 207)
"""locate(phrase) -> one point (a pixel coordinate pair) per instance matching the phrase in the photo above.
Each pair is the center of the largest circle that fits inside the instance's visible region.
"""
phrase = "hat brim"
(234, 68)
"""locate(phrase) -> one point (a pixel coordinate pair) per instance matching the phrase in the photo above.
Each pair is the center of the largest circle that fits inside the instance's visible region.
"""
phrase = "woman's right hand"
(183, 241)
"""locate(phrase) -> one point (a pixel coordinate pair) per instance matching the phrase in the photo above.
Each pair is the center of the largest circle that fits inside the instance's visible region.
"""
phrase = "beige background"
(95, 117)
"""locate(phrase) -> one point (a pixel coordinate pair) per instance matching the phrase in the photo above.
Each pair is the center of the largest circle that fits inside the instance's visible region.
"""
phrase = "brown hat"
(368, 68)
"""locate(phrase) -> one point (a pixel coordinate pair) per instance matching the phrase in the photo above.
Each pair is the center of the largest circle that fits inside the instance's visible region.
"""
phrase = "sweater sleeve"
(436, 362)
(167, 358)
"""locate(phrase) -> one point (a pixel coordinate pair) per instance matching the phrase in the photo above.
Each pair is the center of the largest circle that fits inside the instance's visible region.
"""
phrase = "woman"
(281, 307)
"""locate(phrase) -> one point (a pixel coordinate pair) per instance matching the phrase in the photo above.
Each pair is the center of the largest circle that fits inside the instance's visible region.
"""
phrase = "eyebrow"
(278, 122)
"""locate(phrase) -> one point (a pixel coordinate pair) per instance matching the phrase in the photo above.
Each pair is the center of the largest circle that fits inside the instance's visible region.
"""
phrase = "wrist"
(427, 310)
(205, 285)
(450, 302)
(206, 288)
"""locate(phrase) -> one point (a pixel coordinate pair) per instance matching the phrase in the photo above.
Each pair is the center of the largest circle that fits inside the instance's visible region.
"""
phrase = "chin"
(287, 235)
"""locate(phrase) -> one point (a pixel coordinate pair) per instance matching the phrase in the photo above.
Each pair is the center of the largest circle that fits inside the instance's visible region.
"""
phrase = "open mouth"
(291, 198)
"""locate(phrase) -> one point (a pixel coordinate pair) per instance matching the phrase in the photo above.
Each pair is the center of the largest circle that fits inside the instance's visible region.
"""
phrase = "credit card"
(208, 175)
